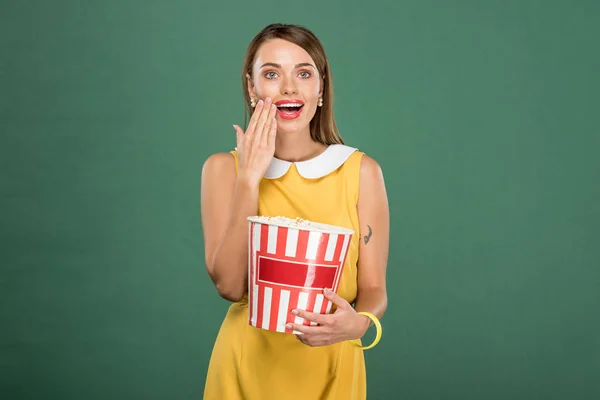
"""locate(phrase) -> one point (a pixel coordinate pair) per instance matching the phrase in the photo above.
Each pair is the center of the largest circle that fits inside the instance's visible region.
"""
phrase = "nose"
(288, 86)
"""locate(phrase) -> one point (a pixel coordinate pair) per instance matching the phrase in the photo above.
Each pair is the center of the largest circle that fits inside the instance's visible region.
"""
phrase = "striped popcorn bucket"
(290, 263)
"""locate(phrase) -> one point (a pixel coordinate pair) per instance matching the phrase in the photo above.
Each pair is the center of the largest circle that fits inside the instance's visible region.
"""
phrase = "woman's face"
(286, 73)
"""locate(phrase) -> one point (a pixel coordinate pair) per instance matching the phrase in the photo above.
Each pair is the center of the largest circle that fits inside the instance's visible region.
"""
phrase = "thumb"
(239, 133)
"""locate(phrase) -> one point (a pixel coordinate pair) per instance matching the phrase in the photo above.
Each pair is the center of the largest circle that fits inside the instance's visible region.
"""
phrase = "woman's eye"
(273, 75)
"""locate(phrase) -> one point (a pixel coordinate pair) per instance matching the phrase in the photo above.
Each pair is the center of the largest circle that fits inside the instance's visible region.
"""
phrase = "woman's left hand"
(344, 324)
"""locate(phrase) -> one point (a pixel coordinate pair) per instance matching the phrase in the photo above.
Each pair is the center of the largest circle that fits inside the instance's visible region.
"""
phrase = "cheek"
(312, 92)
(266, 88)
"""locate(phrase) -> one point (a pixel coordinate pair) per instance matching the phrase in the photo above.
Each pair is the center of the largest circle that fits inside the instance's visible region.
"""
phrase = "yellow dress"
(255, 364)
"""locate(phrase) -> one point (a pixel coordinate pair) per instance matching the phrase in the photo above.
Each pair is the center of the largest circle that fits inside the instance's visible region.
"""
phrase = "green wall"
(482, 114)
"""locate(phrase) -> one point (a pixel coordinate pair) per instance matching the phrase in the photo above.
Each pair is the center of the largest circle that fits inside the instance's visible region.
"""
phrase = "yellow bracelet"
(373, 318)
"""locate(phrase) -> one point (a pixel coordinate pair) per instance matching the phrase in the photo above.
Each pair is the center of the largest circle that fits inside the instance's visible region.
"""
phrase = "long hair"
(322, 127)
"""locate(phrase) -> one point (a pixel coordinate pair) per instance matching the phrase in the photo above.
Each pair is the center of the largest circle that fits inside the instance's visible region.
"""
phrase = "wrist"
(375, 320)
(247, 183)
(365, 324)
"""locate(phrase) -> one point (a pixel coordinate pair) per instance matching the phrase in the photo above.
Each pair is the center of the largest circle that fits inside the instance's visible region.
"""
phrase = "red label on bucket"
(296, 274)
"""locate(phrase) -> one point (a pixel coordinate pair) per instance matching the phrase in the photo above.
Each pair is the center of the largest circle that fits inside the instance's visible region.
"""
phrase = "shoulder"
(371, 183)
(370, 169)
(219, 164)
(372, 193)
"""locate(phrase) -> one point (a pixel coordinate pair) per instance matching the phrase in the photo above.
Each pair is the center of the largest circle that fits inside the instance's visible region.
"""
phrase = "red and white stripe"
(289, 268)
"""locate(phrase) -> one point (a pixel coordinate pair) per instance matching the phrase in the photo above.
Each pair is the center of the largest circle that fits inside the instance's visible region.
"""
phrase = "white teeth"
(290, 105)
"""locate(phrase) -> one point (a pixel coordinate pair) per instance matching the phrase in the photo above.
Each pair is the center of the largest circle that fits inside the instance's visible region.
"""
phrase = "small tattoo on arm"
(368, 237)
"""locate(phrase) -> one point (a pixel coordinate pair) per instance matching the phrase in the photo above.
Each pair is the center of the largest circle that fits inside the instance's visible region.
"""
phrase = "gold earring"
(252, 103)
(320, 102)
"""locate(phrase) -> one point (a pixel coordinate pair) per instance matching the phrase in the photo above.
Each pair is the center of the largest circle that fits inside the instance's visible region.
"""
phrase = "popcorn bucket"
(290, 262)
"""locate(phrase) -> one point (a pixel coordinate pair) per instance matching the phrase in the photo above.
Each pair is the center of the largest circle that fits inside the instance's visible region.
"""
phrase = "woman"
(291, 161)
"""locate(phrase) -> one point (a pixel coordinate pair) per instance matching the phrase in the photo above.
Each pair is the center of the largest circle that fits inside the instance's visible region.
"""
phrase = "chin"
(291, 127)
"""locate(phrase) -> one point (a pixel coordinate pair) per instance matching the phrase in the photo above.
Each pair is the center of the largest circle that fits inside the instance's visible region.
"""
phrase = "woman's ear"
(250, 82)
(321, 89)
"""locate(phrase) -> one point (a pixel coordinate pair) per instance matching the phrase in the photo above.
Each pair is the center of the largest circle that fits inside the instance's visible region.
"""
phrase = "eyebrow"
(275, 65)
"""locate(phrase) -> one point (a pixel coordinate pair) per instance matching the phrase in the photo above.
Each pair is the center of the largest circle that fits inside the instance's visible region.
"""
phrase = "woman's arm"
(374, 219)
(226, 203)
(346, 323)
(229, 198)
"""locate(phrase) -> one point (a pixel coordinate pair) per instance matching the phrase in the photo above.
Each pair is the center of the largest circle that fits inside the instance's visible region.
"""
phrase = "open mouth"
(290, 108)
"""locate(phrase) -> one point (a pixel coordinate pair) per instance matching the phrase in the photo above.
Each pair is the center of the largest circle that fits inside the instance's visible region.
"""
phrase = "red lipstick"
(289, 109)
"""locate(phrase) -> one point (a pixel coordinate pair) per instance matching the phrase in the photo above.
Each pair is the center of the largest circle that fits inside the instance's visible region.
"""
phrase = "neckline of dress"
(322, 164)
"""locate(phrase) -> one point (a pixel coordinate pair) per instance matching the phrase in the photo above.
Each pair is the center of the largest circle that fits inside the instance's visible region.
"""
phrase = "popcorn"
(299, 223)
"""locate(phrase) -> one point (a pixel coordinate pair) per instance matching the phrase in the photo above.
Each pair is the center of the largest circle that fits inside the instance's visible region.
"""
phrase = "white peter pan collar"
(334, 156)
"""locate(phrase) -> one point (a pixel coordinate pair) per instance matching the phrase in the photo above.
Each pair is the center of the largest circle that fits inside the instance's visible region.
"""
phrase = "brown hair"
(322, 127)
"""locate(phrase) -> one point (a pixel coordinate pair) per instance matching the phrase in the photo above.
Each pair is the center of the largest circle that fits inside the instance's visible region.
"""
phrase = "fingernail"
(295, 312)
(289, 326)
(268, 100)
(327, 291)
(260, 103)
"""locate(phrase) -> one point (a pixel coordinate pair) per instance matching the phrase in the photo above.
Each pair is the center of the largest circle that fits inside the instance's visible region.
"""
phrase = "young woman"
(291, 162)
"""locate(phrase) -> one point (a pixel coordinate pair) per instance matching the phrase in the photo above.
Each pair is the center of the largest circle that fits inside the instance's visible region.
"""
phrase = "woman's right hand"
(256, 147)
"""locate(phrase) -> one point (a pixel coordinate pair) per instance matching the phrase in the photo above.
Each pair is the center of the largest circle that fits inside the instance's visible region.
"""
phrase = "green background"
(483, 115)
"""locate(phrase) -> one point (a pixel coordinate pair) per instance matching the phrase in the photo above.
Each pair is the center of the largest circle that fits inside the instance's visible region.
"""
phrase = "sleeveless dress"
(255, 364)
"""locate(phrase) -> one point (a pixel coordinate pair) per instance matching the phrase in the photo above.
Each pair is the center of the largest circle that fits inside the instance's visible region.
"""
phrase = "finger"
(255, 116)
(265, 134)
(303, 339)
(301, 328)
(336, 299)
(239, 134)
(311, 341)
(272, 134)
(262, 121)
(313, 317)
(260, 125)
